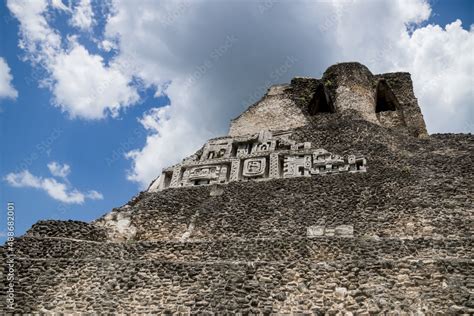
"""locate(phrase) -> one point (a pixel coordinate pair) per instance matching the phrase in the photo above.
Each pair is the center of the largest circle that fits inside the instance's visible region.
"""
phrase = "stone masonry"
(263, 156)
(326, 198)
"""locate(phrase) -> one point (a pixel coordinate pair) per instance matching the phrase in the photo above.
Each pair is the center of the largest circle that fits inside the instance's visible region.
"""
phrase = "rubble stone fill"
(392, 238)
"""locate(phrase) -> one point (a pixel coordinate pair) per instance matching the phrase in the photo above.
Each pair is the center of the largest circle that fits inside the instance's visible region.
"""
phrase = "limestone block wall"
(414, 187)
(351, 87)
(275, 111)
(67, 229)
(258, 250)
(396, 239)
(347, 88)
(286, 276)
(248, 251)
(402, 86)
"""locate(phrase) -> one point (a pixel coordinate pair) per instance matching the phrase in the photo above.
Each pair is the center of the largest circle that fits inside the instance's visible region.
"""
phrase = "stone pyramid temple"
(327, 196)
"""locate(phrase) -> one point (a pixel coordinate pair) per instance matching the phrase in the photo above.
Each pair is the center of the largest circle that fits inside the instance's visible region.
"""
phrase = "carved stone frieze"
(262, 156)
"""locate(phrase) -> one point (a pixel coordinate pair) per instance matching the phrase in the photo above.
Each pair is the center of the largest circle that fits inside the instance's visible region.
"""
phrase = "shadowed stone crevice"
(321, 102)
(385, 99)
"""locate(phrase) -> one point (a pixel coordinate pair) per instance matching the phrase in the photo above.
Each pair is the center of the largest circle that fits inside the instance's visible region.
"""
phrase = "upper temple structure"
(327, 197)
(259, 144)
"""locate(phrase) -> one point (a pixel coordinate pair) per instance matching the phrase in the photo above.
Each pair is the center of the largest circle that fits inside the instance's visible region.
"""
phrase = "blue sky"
(43, 124)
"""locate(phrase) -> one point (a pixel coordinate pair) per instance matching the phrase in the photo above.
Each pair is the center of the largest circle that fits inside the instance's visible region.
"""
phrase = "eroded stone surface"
(395, 239)
(343, 88)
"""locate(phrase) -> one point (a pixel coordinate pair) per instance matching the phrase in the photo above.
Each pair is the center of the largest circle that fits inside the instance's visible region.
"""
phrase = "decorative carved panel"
(246, 157)
(254, 167)
(296, 166)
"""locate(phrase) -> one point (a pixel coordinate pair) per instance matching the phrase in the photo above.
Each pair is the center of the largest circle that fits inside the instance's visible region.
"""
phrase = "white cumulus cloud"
(57, 190)
(6, 88)
(59, 170)
(58, 4)
(83, 16)
(83, 85)
(182, 48)
(38, 39)
(442, 63)
(214, 58)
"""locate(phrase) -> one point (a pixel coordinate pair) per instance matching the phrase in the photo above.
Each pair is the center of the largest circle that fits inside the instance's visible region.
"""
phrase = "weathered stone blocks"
(338, 231)
(396, 239)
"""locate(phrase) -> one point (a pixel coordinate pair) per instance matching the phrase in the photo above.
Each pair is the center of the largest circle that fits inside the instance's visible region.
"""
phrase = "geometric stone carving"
(266, 146)
(254, 167)
(204, 173)
(325, 162)
(324, 231)
(243, 149)
(175, 177)
(257, 157)
(217, 149)
(234, 170)
(344, 231)
(315, 231)
(305, 145)
(223, 174)
(274, 166)
(296, 166)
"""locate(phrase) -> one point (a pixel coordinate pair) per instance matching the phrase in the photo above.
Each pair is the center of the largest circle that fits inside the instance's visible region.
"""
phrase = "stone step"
(269, 250)
(152, 286)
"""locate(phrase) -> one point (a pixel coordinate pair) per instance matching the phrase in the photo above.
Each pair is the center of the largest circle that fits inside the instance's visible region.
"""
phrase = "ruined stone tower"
(260, 146)
(387, 100)
(326, 196)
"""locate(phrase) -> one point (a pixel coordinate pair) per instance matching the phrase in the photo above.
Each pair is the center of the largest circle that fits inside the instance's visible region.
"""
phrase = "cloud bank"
(214, 58)
(82, 84)
(179, 42)
(60, 191)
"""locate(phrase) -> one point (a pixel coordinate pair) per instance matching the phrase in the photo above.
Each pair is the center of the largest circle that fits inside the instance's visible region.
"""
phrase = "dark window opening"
(211, 155)
(385, 99)
(301, 170)
(167, 180)
(321, 102)
(201, 182)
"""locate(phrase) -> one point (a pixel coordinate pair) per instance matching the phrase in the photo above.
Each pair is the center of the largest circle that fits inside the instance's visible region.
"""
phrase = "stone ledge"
(430, 260)
(191, 241)
(268, 250)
